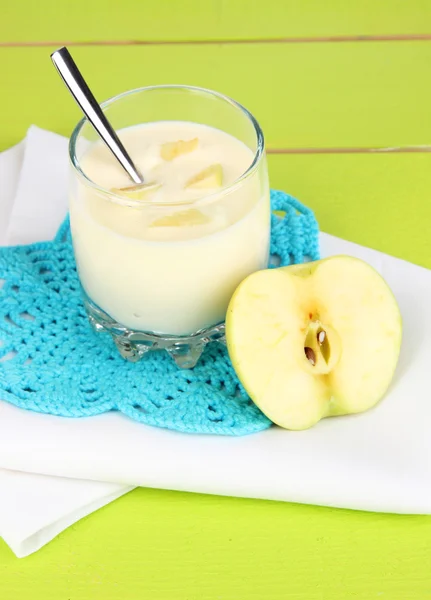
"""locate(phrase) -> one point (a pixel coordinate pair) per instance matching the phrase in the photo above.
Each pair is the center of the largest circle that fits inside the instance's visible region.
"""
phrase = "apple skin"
(275, 320)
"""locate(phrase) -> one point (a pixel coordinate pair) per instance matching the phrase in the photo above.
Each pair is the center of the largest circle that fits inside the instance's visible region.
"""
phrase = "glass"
(159, 275)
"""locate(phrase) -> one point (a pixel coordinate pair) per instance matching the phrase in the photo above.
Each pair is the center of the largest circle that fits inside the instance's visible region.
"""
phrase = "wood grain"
(308, 95)
(377, 200)
(95, 20)
(175, 546)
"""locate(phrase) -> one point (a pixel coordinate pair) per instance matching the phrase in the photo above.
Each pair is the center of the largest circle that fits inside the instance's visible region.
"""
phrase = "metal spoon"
(73, 79)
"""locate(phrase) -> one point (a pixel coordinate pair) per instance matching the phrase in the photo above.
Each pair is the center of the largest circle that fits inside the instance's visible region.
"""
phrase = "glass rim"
(118, 199)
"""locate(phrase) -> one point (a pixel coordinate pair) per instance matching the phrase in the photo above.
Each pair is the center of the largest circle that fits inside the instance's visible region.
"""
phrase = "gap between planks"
(289, 40)
(352, 150)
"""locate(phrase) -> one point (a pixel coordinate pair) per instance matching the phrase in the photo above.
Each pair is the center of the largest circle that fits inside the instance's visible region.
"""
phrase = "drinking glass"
(167, 287)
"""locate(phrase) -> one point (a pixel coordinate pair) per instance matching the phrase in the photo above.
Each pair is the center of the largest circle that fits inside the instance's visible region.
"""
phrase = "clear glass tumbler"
(157, 274)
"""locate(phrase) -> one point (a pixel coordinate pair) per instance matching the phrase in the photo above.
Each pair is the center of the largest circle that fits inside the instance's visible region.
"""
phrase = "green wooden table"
(332, 83)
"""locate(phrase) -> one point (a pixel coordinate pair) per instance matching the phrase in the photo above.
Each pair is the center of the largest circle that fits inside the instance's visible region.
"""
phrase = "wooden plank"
(307, 95)
(82, 20)
(380, 201)
(170, 546)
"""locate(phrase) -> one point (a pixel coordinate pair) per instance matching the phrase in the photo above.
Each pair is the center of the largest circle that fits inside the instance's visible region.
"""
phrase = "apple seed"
(311, 357)
(321, 336)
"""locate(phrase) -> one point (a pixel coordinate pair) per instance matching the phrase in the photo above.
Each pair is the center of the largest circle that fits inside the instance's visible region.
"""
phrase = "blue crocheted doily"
(51, 361)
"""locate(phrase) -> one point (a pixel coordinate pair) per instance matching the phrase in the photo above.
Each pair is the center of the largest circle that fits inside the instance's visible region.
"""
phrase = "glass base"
(132, 345)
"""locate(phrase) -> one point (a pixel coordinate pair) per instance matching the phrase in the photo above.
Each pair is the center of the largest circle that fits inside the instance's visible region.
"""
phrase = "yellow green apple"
(314, 340)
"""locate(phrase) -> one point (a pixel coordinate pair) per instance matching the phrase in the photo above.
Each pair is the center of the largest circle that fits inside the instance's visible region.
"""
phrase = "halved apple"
(141, 191)
(210, 177)
(171, 150)
(314, 340)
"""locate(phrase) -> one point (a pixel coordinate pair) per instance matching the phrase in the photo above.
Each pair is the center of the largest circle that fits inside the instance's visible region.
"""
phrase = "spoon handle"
(72, 77)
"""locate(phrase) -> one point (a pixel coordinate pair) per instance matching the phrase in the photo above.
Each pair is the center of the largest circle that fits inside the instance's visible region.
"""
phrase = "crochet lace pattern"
(51, 361)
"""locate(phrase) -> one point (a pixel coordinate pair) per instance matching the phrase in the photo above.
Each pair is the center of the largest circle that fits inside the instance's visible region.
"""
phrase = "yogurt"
(169, 261)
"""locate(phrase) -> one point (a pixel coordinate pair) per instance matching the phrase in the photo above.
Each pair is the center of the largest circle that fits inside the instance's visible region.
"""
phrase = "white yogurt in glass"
(169, 263)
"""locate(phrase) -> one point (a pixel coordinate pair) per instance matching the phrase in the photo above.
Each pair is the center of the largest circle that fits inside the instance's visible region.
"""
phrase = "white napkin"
(376, 461)
(40, 200)
(35, 508)
(10, 167)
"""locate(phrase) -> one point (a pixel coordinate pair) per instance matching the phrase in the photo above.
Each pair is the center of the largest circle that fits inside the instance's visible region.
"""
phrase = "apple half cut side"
(314, 340)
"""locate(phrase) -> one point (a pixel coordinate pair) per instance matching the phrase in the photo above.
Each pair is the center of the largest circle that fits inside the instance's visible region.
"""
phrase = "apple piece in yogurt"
(210, 177)
(171, 150)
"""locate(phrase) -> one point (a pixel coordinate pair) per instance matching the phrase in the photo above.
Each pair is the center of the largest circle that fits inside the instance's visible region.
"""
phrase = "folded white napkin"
(40, 197)
(379, 460)
(35, 508)
(10, 168)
